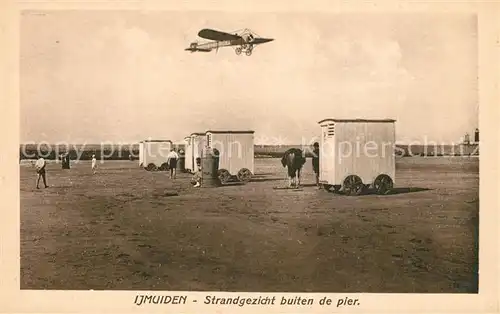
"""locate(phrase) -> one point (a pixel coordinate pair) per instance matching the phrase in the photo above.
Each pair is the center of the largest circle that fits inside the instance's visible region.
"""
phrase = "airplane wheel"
(248, 52)
(238, 51)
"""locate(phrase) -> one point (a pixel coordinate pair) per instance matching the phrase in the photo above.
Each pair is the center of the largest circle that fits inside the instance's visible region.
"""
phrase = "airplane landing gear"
(246, 48)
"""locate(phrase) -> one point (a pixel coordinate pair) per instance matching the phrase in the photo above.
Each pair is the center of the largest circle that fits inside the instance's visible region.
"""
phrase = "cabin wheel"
(163, 167)
(383, 184)
(238, 50)
(244, 175)
(353, 185)
(223, 176)
(151, 167)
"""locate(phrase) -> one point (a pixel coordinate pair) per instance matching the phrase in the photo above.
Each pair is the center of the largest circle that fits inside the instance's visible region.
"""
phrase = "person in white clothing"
(94, 164)
(172, 159)
(40, 171)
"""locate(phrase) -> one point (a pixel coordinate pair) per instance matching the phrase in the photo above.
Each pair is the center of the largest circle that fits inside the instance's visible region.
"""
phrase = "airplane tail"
(194, 47)
(197, 49)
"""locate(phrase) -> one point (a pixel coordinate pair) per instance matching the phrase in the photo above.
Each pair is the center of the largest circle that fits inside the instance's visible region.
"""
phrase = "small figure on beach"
(196, 180)
(315, 163)
(172, 159)
(40, 171)
(94, 164)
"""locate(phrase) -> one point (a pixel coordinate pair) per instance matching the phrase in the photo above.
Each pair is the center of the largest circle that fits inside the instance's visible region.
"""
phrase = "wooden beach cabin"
(236, 153)
(155, 153)
(356, 154)
(141, 154)
(188, 154)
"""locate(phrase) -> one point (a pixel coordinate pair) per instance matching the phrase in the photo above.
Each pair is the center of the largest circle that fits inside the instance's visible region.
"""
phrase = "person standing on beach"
(94, 164)
(172, 159)
(315, 162)
(196, 180)
(40, 171)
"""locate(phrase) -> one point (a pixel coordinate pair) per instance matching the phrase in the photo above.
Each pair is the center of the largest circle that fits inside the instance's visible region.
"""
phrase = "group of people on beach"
(40, 165)
(172, 159)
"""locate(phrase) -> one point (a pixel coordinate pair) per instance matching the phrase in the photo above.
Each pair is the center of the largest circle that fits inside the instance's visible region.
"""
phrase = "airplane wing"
(217, 35)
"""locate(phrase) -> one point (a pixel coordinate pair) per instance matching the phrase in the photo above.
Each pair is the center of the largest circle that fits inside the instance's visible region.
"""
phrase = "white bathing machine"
(236, 153)
(155, 154)
(356, 154)
(188, 154)
(197, 142)
(141, 153)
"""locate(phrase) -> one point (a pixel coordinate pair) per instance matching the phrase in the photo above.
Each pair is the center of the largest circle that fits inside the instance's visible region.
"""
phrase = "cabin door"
(327, 155)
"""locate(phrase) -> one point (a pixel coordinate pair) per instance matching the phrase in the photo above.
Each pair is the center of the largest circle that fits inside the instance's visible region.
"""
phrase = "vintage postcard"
(232, 157)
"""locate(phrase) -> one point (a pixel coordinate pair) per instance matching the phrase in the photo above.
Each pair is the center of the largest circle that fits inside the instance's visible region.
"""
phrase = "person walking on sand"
(40, 171)
(315, 163)
(94, 164)
(172, 159)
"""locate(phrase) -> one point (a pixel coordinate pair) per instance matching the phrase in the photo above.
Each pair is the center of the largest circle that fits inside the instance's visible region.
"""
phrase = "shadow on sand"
(231, 183)
(407, 190)
(394, 191)
(265, 179)
(261, 174)
(308, 185)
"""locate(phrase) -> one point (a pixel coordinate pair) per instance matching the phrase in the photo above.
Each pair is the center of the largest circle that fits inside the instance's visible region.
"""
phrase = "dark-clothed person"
(315, 162)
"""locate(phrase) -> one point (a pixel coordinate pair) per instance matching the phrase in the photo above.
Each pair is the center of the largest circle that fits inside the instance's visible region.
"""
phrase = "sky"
(121, 77)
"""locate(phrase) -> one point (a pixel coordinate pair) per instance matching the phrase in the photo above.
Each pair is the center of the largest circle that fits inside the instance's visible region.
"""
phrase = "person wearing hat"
(172, 159)
(40, 171)
(94, 164)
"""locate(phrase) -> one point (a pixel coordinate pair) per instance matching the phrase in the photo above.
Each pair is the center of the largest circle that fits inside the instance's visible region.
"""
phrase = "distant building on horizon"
(466, 139)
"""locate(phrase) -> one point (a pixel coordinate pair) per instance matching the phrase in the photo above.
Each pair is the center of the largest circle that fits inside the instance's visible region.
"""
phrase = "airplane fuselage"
(216, 44)
(245, 44)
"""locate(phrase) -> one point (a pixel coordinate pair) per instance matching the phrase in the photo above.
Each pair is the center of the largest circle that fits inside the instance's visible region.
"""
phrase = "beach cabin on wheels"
(357, 154)
(194, 148)
(188, 154)
(155, 154)
(236, 154)
(141, 154)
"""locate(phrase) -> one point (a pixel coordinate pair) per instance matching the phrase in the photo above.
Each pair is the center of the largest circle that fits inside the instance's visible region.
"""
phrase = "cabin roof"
(197, 133)
(230, 132)
(357, 120)
(158, 141)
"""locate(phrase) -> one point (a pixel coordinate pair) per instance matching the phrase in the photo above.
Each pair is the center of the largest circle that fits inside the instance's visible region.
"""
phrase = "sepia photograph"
(249, 152)
(233, 157)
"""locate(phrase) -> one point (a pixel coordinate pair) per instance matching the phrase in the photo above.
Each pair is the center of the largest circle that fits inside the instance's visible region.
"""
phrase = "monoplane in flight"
(243, 41)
